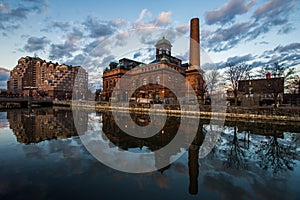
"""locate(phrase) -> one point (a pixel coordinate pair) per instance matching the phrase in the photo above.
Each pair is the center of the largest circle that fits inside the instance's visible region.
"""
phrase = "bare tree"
(212, 78)
(293, 84)
(235, 73)
(276, 70)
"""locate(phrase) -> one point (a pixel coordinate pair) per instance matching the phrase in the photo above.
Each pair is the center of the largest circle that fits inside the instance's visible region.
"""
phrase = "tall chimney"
(194, 44)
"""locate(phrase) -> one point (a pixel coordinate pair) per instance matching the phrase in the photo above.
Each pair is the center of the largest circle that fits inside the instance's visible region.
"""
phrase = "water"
(42, 157)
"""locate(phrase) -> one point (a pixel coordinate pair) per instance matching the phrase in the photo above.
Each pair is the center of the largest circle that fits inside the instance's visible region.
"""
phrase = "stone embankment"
(230, 112)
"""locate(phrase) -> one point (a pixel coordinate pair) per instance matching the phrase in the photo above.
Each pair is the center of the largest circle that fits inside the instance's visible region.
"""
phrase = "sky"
(93, 33)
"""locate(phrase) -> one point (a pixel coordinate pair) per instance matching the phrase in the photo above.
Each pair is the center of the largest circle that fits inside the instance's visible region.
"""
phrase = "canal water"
(42, 157)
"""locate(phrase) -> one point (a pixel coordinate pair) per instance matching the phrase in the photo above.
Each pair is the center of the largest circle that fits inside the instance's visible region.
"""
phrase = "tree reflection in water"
(240, 164)
(276, 155)
(236, 158)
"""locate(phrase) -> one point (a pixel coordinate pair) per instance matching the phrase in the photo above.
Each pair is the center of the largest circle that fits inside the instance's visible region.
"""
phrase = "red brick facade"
(152, 82)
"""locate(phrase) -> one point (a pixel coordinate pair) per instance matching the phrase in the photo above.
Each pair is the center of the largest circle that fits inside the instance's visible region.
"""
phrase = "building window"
(144, 81)
(110, 83)
(157, 81)
(169, 78)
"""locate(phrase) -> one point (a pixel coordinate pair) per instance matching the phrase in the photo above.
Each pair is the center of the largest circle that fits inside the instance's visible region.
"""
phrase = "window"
(144, 81)
(160, 51)
(169, 78)
(157, 80)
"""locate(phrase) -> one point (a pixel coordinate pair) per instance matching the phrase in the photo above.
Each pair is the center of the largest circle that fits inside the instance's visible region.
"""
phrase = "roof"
(163, 41)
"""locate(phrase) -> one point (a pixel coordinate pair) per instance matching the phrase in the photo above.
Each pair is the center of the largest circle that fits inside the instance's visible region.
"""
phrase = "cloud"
(183, 28)
(4, 76)
(60, 51)
(163, 18)
(63, 26)
(228, 12)
(266, 16)
(97, 28)
(226, 38)
(121, 38)
(77, 60)
(106, 60)
(118, 22)
(11, 17)
(274, 9)
(36, 44)
(143, 13)
(149, 31)
(240, 59)
(293, 47)
(270, 14)
(97, 48)
(288, 55)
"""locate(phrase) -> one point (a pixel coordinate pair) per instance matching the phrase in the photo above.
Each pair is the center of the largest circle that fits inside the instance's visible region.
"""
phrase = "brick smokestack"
(194, 44)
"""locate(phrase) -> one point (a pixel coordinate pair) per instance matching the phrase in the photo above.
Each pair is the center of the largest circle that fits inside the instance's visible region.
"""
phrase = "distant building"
(156, 75)
(36, 77)
(261, 91)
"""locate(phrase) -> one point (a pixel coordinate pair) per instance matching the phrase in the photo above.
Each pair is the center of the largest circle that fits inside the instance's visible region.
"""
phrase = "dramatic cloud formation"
(293, 47)
(226, 38)
(227, 12)
(267, 16)
(97, 29)
(65, 50)
(36, 44)
(288, 55)
(11, 17)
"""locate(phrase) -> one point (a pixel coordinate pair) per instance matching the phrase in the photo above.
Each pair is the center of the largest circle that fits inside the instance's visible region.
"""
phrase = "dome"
(163, 41)
(164, 59)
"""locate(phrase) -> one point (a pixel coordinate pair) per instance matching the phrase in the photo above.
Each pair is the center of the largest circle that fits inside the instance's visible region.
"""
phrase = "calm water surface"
(42, 157)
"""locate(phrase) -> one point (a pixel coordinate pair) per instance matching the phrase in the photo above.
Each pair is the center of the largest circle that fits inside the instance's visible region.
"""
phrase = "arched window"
(157, 80)
(110, 83)
(160, 51)
(144, 81)
(150, 80)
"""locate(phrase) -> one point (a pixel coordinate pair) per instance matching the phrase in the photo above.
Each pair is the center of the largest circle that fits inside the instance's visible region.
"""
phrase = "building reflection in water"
(126, 142)
(42, 124)
(250, 141)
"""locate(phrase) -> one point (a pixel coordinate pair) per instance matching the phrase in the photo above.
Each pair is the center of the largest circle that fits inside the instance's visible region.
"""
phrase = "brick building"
(261, 91)
(45, 79)
(157, 80)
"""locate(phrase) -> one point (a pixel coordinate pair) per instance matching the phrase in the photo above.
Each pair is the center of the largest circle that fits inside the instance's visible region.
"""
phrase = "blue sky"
(258, 32)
